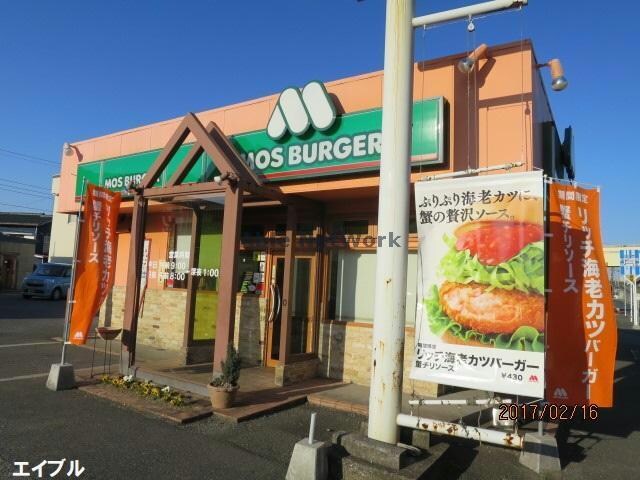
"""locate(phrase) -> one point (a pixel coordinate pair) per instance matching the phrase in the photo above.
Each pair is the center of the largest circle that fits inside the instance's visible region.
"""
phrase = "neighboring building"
(612, 259)
(24, 242)
(63, 229)
(191, 305)
(17, 260)
(29, 226)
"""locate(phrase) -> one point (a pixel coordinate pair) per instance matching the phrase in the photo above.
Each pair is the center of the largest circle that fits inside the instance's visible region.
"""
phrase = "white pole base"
(309, 461)
(61, 377)
(540, 453)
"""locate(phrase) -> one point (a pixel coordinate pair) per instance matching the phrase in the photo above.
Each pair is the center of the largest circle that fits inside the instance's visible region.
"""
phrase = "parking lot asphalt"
(112, 442)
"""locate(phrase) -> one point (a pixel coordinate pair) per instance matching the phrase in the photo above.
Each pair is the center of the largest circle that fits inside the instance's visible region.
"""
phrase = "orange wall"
(489, 111)
(159, 238)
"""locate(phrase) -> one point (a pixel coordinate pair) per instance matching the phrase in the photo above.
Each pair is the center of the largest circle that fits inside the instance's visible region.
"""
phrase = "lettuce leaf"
(524, 272)
(524, 338)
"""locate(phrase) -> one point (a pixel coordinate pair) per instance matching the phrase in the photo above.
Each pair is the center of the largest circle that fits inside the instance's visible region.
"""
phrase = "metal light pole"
(393, 207)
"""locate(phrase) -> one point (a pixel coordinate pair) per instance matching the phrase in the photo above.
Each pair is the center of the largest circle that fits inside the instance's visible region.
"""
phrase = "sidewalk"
(355, 399)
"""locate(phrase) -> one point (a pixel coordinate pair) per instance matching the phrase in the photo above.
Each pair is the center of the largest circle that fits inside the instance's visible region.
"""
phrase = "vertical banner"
(95, 267)
(480, 320)
(582, 339)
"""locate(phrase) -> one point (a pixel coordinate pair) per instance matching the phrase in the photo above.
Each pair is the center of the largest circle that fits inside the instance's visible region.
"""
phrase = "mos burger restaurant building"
(255, 223)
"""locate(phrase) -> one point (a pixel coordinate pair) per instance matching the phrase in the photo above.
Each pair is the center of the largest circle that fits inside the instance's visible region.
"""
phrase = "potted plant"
(223, 387)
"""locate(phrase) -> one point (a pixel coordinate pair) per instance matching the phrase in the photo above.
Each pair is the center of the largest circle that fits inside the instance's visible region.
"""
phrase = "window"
(305, 229)
(208, 254)
(47, 270)
(251, 272)
(281, 229)
(301, 229)
(179, 251)
(252, 230)
(351, 227)
(352, 286)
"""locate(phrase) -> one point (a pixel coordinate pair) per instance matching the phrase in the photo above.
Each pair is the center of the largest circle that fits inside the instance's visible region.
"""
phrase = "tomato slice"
(497, 242)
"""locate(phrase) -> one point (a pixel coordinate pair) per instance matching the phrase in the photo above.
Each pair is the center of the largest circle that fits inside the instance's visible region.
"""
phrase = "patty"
(491, 311)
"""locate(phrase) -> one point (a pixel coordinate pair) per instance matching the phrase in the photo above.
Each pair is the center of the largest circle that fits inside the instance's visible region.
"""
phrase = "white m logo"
(560, 393)
(296, 111)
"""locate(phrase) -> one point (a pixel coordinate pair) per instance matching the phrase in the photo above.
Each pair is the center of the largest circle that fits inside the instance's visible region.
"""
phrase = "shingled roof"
(24, 219)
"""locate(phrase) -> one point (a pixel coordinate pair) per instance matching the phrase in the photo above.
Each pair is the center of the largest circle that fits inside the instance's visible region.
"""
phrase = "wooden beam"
(233, 157)
(204, 188)
(189, 161)
(228, 275)
(167, 153)
(132, 294)
(267, 192)
(223, 154)
(267, 203)
(213, 149)
(287, 286)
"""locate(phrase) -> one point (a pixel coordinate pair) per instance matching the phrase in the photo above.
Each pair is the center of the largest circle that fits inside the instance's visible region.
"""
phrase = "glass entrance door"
(302, 308)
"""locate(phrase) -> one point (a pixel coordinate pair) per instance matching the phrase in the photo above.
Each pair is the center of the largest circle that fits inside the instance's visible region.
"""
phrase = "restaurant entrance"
(197, 304)
(303, 303)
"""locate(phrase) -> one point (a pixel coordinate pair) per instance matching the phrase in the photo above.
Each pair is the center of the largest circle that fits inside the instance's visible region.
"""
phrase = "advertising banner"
(480, 320)
(96, 259)
(582, 337)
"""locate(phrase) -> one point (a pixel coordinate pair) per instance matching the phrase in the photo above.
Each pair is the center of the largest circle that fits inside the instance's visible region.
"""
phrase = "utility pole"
(393, 220)
(393, 207)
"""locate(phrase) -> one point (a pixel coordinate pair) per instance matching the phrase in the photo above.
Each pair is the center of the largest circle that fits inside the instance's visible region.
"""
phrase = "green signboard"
(351, 144)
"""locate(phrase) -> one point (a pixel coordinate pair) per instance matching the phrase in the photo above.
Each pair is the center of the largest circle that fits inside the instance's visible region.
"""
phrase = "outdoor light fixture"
(67, 148)
(558, 80)
(466, 64)
(221, 178)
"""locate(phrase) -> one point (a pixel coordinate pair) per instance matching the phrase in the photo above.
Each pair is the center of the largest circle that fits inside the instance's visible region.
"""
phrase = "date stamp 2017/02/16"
(547, 412)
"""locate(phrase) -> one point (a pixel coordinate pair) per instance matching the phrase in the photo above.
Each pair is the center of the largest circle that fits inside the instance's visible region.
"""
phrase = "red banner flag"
(582, 330)
(96, 259)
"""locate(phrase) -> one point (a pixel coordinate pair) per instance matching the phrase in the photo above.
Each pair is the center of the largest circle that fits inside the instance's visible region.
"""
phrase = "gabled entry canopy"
(212, 141)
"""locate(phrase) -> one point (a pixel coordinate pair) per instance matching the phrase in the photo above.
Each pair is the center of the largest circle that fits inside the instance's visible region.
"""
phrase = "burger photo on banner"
(492, 294)
(481, 315)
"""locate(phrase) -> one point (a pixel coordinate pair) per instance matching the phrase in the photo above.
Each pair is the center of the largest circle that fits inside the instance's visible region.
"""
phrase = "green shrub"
(230, 370)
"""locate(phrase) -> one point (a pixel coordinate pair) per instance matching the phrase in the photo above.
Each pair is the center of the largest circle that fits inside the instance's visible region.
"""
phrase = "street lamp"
(558, 81)
(67, 148)
(466, 64)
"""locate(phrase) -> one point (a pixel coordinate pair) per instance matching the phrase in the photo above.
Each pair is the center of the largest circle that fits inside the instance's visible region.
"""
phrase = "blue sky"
(74, 69)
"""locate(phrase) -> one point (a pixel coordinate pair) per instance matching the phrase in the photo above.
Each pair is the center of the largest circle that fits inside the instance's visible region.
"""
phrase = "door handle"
(272, 312)
(279, 299)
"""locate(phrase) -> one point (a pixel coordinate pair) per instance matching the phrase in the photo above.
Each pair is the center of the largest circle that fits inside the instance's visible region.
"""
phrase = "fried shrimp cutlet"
(491, 311)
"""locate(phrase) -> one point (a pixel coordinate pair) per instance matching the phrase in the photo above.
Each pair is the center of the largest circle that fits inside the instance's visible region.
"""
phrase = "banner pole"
(634, 306)
(546, 192)
(70, 292)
